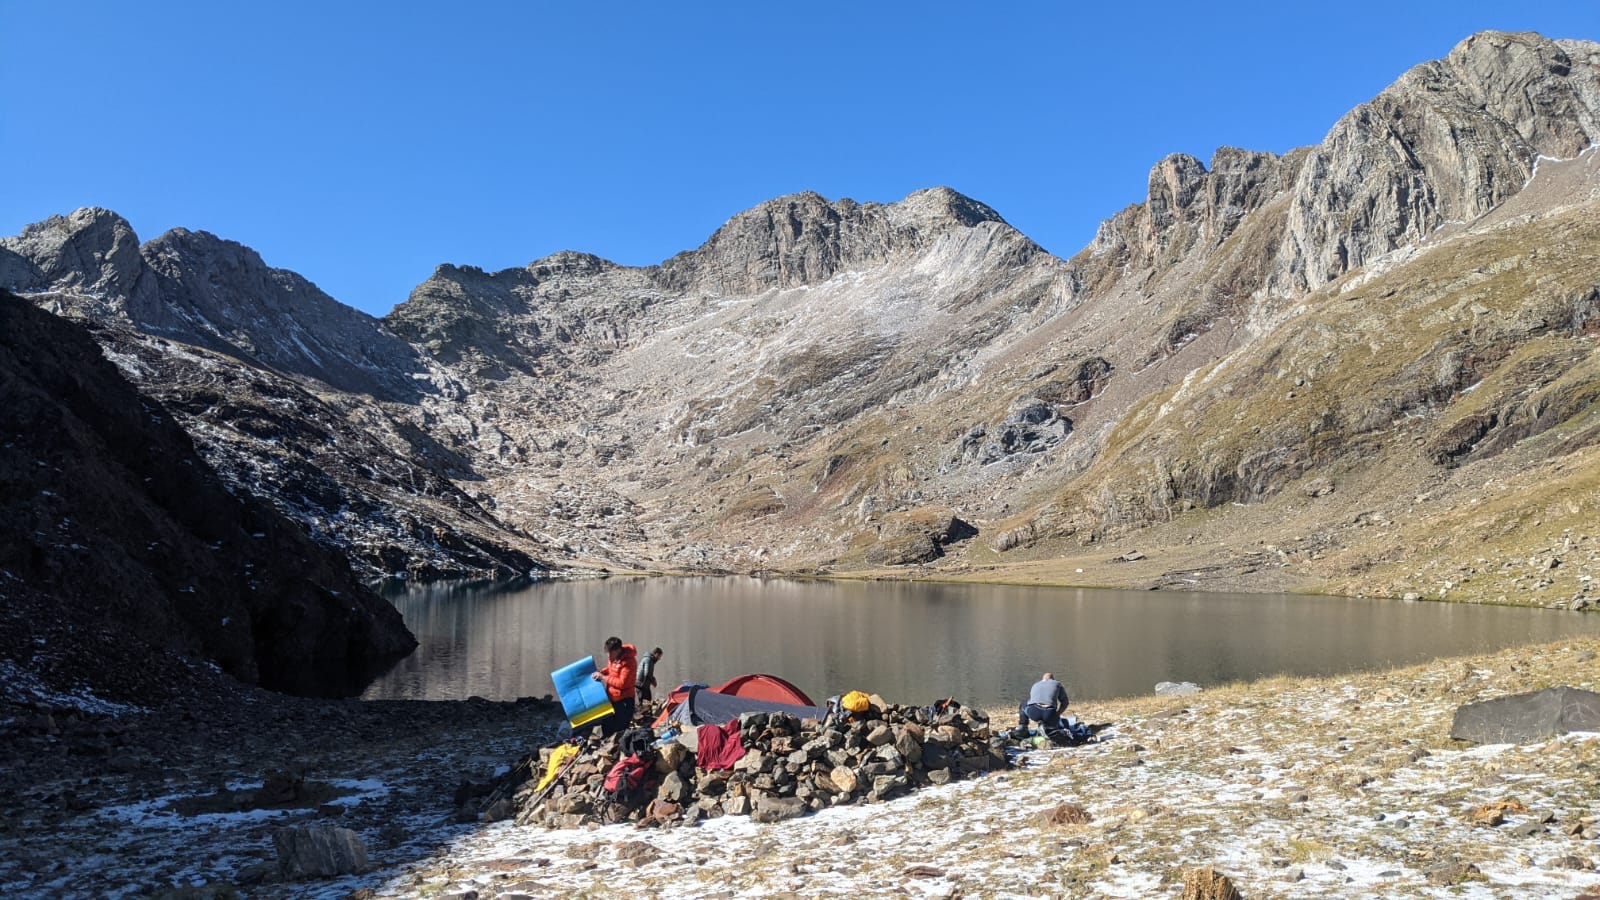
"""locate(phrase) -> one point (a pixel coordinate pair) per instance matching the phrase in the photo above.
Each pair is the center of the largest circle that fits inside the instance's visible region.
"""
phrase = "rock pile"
(789, 767)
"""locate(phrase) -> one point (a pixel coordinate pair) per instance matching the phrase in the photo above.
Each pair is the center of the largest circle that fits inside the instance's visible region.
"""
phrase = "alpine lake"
(917, 642)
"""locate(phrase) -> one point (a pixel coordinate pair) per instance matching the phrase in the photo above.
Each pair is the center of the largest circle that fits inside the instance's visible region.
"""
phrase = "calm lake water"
(913, 643)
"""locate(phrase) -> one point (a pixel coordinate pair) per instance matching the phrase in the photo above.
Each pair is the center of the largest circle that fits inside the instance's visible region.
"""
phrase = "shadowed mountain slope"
(116, 534)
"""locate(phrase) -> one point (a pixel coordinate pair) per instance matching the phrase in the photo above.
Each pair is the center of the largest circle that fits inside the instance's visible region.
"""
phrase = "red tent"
(767, 688)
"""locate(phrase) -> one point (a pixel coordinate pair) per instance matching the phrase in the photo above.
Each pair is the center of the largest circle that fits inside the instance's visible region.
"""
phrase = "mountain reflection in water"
(913, 643)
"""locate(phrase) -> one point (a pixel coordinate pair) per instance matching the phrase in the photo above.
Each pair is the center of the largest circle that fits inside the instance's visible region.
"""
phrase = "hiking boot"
(1019, 733)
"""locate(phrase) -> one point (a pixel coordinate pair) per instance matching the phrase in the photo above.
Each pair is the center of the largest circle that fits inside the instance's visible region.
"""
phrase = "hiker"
(647, 674)
(1047, 700)
(619, 676)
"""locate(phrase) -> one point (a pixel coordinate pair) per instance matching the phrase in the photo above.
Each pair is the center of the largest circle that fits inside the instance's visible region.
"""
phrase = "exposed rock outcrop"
(1449, 141)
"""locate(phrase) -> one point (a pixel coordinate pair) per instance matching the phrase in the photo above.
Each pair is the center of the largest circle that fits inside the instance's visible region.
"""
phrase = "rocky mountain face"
(1268, 348)
(287, 392)
(119, 540)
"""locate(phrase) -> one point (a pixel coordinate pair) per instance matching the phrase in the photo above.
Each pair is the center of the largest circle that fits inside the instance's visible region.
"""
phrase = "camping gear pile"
(770, 765)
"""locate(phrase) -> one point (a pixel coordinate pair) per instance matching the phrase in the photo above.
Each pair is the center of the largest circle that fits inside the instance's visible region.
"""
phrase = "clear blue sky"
(362, 144)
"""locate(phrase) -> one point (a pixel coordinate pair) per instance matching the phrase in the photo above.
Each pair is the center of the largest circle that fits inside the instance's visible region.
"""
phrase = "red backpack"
(631, 781)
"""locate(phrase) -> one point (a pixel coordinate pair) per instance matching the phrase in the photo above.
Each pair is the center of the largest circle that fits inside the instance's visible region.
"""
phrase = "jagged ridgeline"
(1313, 369)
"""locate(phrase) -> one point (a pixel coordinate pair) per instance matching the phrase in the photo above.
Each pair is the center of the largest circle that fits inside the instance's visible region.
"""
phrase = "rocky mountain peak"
(1189, 206)
(220, 251)
(943, 205)
(91, 251)
(569, 263)
(1448, 141)
(1531, 82)
(804, 239)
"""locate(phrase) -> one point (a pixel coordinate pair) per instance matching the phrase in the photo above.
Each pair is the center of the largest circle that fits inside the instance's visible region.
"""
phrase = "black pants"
(621, 717)
(1044, 715)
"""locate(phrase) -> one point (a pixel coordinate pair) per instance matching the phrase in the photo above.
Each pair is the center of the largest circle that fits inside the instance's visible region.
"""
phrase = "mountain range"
(1366, 366)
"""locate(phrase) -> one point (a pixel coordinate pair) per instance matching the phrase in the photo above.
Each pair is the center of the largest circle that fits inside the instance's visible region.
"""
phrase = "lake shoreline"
(1367, 752)
(981, 642)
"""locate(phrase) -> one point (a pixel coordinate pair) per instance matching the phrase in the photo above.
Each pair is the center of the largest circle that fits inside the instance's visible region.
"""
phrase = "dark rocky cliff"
(114, 533)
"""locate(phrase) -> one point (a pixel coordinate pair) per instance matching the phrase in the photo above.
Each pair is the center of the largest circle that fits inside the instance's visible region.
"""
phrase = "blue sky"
(362, 144)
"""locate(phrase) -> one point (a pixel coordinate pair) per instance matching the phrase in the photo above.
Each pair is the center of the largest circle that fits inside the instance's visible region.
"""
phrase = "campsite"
(755, 745)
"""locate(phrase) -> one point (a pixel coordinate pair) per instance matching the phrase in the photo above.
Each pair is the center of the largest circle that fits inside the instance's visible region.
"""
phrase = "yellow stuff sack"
(558, 758)
(855, 702)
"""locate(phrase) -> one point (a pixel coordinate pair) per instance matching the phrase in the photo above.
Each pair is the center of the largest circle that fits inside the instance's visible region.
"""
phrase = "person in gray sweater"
(647, 675)
(1047, 700)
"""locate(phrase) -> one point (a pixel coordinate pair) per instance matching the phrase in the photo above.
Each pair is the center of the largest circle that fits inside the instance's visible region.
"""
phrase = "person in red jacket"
(620, 676)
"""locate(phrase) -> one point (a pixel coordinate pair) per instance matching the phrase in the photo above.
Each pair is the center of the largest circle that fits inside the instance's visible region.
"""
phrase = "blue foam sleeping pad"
(582, 698)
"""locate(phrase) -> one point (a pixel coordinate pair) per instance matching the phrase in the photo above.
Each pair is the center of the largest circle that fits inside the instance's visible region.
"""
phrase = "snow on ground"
(1342, 787)
(1337, 788)
(25, 687)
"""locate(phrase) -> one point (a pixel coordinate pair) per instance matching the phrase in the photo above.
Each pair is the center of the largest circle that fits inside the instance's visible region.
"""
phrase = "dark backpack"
(631, 781)
(1070, 734)
(638, 742)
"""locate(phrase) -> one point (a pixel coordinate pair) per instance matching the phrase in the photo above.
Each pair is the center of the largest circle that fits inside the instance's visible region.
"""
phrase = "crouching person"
(1047, 700)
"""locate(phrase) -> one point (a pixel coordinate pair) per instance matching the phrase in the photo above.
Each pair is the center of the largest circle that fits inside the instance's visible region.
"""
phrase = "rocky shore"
(1346, 787)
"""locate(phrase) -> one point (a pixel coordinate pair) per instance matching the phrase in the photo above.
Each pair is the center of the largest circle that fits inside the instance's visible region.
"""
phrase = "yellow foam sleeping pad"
(558, 758)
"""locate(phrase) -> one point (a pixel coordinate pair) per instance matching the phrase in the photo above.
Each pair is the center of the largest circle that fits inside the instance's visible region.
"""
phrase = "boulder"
(710, 784)
(573, 804)
(318, 851)
(670, 757)
(776, 809)
(844, 778)
(753, 762)
(1176, 688)
(1522, 718)
(935, 758)
(673, 790)
(637, 853)
(886, 786)
(908, 742)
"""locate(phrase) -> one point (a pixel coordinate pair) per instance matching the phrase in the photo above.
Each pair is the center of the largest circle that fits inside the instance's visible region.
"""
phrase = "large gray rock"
(1527, 717)
(769, 808)
(319, 851)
